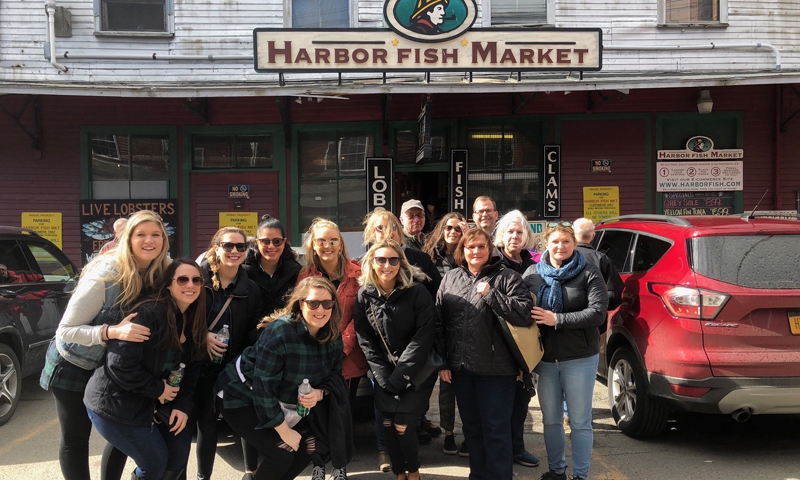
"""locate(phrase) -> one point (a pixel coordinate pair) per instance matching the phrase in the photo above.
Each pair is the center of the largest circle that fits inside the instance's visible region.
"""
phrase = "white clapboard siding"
(225, 27)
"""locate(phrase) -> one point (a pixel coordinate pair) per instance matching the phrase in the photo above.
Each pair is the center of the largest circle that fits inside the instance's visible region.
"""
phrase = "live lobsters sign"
(427, 35)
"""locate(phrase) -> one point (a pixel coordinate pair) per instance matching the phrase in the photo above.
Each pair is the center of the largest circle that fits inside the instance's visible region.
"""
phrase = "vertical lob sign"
(552, 181)
(380, 184)
(458, 181)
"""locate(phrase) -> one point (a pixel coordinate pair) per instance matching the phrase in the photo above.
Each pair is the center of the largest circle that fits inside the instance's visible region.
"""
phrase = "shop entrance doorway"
(430, 188)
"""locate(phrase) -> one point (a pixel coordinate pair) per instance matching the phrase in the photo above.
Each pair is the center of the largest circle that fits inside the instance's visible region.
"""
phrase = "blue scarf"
(549, 294)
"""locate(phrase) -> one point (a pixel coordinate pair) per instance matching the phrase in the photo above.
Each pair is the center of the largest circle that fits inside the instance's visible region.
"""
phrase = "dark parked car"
(35, 278)
(710, 320)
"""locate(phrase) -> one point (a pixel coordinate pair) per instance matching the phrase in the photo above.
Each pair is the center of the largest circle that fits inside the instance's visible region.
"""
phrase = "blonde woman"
(395, 321)
(326, 256)
(259, 392)
(232, 299)
(110, 283)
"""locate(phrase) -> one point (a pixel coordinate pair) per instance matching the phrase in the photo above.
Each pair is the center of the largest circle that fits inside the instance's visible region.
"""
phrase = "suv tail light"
(686, 302)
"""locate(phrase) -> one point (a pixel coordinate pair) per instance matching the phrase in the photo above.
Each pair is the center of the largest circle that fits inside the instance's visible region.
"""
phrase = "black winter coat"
(127, 387)
(407, 320)
(423, 261)
(614, 283)
(520, 268)
(274, 293)
(576, 333)
(468, 325)
(442, 264)
(246, 311)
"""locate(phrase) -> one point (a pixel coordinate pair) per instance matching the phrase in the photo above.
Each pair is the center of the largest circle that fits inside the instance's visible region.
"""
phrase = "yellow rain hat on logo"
(423, 5)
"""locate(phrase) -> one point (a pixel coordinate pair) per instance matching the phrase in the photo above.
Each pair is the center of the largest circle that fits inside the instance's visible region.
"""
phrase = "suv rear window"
(752, 261)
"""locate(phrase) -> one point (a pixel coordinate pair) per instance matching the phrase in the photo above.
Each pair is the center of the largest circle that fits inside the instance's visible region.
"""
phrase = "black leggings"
(400, 430)
(73, 453)
(206, 415)
(280, 462)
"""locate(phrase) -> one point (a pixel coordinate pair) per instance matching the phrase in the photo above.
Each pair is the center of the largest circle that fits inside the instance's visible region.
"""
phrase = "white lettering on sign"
(552, 180)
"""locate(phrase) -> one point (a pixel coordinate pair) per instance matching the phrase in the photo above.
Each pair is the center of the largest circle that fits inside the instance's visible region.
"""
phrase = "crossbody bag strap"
(221, 311)
(375, 319)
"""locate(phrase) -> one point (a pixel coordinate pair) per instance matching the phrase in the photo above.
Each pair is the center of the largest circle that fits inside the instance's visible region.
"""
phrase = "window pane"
(317, 152)
(752, 261)
(616, 245)
(684, 11)
(254, 151)
(149, 158)
(154, 189)
(320, 13)
(353, 151)
(13, 258)
(317, 199)
(649, 251)
(519, 12)
(135, 15)
(50, 267)
(406, 146)
(352, 202)
(213, 152)
(106, 161)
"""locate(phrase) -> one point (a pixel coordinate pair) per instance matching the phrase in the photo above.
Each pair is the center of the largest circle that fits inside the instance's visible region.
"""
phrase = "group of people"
(244, 327)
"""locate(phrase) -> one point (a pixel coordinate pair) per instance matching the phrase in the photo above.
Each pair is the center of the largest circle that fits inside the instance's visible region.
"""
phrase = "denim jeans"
(379, 436)
(155, 450)
(485, 403)
(573, 380)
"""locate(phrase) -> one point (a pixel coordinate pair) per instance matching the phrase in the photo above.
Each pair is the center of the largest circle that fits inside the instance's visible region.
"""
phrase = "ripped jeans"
(279, 462)
(400, 432)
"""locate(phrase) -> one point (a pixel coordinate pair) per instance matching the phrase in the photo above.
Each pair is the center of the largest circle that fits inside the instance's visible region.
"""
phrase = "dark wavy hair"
(268, 221)
(436, 237)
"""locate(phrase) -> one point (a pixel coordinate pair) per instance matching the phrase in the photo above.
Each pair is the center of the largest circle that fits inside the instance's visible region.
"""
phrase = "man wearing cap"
(412, 216)
(484, 213)
(428, 15)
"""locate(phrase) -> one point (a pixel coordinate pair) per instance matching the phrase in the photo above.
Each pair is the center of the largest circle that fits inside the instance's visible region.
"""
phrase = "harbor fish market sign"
(427, 35)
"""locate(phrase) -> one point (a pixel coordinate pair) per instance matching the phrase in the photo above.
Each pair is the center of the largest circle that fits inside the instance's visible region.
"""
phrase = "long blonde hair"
(311, 257)
(404, 278)
(330, 331)
(211, 254)
(131, 282)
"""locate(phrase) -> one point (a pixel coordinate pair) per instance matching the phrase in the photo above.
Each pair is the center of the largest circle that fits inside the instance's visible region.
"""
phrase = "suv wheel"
(636, 413)
(10, 383)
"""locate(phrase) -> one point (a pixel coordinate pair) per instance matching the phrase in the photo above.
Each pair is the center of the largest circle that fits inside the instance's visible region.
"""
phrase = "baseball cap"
(411, 204)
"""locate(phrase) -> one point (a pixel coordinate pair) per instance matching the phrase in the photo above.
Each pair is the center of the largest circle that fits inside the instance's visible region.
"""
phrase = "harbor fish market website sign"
(427, 35)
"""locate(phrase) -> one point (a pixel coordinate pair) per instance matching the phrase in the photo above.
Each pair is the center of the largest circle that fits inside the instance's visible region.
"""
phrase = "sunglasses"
(315, 304)
(393, 261)
(275, 241)
(322, 242)
(183, 280)
(228, 246)
(556, 224)
(449, 228)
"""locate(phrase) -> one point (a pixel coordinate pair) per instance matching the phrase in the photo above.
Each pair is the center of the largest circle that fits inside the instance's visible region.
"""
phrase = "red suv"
(710, 319)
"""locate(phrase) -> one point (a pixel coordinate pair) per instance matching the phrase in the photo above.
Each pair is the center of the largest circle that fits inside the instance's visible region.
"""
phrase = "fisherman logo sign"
(430, 21)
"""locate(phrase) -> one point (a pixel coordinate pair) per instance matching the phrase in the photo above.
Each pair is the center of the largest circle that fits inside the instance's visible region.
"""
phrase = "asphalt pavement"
(694, 447)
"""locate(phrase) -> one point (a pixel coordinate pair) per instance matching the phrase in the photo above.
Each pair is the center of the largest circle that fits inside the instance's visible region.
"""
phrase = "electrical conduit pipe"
(711, 46)
(50, 8)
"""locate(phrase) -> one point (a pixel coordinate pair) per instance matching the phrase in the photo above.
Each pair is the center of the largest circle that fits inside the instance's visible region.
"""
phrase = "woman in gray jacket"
(572, 302)
(472, 300)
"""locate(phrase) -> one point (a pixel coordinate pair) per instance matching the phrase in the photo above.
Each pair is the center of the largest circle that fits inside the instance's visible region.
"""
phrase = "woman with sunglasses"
(120, 397)
(232, 299)
(272, 264)
(571, 303)
(326, 256)
(117, 277)
(259, 390)
(473, 299)
(395, 322)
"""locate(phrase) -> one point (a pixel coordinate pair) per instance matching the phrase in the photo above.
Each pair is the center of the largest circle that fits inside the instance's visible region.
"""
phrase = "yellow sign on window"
(600, 203)
(46, 224)
(247, 221)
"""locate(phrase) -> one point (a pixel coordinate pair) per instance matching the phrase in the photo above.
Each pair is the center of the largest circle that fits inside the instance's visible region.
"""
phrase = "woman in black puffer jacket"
(571, 300)
(481, 366)
(396, 321)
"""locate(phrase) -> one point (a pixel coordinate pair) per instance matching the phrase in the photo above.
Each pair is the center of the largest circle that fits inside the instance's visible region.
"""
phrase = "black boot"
(172, 474)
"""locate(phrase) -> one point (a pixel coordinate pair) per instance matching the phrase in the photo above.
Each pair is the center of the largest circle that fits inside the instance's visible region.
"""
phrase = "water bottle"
(303, 389)
(223, 336)
(175, 377)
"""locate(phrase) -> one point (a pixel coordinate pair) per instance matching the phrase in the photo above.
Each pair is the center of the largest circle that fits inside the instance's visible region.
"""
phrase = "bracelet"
(107, 337)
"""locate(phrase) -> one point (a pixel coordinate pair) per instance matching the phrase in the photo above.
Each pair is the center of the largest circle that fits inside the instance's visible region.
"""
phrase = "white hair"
(509, 219)
(584, 229)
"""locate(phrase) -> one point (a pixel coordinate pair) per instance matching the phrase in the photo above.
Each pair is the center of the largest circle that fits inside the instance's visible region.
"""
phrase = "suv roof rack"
(19, 229)
(650, 217)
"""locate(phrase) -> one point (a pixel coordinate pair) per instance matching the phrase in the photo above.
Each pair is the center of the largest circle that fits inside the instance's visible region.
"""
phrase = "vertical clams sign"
(552, 181)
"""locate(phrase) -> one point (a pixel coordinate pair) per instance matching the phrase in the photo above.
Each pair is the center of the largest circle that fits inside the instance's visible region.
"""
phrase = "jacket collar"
(586, 245)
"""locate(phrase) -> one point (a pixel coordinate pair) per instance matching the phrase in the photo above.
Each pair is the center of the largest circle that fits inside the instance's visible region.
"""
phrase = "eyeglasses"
(393, 261)
(322, 242)
(556, 224)
(410, 216)
(315, 304)
(449, 228)
(487, 211)
(275, 241)
(183, 280)
(228, 246)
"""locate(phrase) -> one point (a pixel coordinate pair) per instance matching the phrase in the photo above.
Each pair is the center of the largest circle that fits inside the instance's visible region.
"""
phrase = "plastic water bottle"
(303, 389)
(224, 336)
(175, 377)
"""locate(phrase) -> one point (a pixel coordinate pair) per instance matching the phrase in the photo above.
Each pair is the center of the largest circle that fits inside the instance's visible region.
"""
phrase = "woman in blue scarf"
(571, 302)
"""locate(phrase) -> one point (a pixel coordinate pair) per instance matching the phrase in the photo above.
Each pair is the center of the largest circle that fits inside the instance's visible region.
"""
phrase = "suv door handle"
(8, 293)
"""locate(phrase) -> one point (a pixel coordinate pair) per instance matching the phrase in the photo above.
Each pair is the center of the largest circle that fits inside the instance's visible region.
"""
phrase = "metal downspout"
(50, 8)
(711, 46)
(778, 110)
